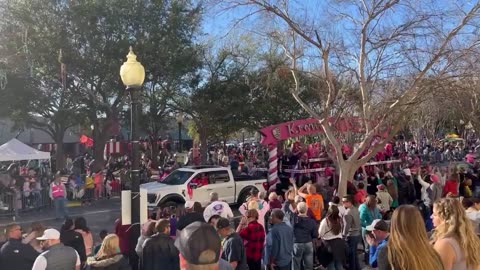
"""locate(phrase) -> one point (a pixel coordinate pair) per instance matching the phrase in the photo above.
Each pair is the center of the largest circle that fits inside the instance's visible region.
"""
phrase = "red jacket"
(123, 235)
(451, 186)
(360, 196)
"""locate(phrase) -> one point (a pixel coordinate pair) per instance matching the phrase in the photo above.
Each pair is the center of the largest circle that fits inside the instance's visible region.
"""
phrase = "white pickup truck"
(197, 182)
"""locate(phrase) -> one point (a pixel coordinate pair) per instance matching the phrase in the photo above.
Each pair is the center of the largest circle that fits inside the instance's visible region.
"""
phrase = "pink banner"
(303, 127)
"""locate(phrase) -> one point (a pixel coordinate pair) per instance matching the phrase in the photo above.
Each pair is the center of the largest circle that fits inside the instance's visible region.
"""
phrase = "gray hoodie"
(351, 220)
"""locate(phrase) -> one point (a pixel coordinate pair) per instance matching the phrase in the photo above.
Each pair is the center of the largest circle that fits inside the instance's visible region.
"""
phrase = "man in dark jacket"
(190, 217)
(406, 189)
(14, 254)
(159, 251)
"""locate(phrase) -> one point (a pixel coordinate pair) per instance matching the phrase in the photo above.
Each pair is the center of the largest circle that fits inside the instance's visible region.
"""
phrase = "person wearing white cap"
(377, 239)
(217, 207)
(56, 255)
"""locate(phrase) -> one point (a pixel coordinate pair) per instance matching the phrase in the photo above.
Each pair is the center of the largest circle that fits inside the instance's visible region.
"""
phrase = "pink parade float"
(272, 135)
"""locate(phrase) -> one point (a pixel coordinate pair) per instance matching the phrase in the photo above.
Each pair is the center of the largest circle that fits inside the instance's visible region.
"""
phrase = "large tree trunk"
(203, 146)
(59, 154)
(99, 141)
(346, 173)
(155, 148)
(154, 152)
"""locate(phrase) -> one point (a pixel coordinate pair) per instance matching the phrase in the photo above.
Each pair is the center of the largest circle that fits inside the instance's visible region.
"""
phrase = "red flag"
(88, 142)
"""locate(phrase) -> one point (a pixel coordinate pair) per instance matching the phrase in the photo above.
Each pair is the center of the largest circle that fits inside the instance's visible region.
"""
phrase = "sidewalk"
(74, 209)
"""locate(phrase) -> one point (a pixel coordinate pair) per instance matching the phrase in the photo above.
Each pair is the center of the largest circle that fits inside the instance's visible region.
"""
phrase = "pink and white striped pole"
(272, 166)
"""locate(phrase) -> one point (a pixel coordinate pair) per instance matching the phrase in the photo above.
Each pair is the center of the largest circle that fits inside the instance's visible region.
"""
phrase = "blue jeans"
(353, 261)
(366, 246)
(302, 255)
(427, 219)
(476, 191)
(60, 208)
(37, 198)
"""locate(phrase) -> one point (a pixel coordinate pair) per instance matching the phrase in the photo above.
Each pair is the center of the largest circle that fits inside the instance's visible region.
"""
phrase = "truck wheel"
(170, 204)
(242, 198)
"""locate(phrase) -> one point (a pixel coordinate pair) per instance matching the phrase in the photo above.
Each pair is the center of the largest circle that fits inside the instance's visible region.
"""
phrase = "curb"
(49, 213)
(28, 221)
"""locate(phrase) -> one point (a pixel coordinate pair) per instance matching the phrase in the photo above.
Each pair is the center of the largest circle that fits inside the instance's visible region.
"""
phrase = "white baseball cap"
(189, 204)
(50, 234)
(378, 224)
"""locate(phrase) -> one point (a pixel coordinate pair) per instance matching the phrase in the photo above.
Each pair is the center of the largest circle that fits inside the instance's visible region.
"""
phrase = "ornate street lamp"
(180, 122)
(133, 74)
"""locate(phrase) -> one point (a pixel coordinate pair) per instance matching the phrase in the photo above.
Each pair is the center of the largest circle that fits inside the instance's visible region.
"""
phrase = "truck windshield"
(177, 178)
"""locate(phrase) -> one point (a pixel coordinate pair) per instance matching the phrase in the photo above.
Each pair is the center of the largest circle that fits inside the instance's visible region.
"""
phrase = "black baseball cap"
(199, 244)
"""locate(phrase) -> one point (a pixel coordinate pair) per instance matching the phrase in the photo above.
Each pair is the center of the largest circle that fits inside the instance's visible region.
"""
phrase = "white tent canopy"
(16, 150)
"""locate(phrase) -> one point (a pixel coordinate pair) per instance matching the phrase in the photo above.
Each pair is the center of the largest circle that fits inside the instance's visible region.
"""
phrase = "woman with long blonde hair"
(109, 256)
(407, 228)
(454, 237)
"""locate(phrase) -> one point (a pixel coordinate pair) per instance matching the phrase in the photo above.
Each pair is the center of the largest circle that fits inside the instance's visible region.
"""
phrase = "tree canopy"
(94, 37)
(389, 52)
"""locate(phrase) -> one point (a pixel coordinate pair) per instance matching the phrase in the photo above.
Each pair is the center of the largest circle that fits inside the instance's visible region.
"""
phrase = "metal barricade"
(14, 201)
(6, 203)
(116, 188)
(35, 199)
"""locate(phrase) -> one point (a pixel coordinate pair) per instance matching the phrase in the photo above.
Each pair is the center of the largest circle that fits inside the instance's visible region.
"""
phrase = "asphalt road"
(101, 215)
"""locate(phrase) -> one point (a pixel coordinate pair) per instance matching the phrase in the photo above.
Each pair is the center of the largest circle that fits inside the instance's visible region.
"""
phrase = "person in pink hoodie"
(470, 157)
